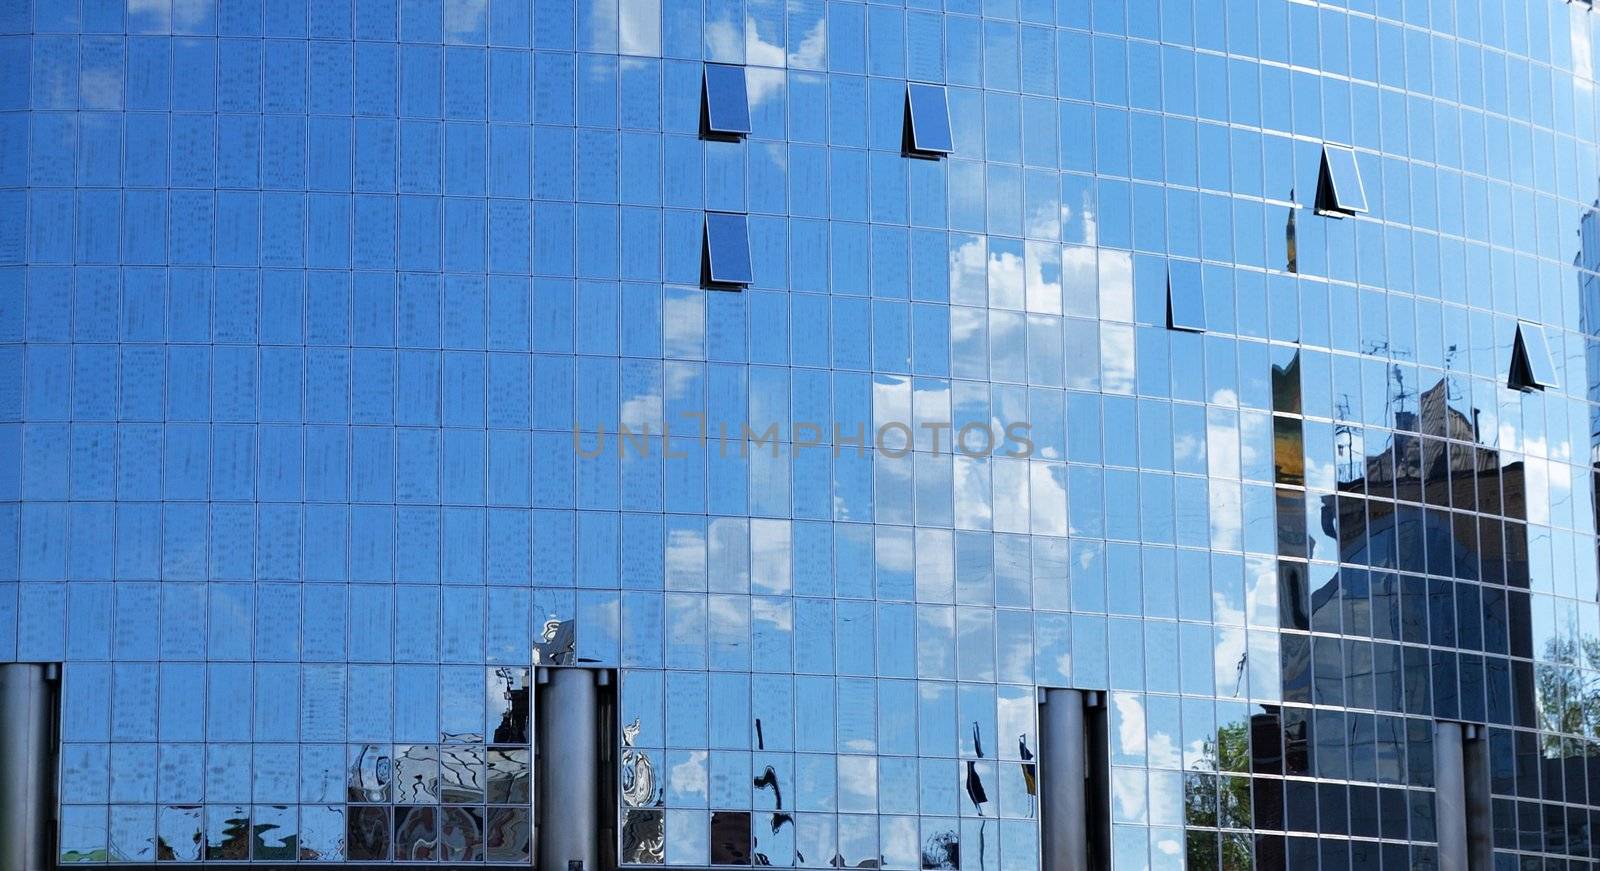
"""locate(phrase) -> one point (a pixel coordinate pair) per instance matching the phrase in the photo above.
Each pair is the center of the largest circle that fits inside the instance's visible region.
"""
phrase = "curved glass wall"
(358, 355)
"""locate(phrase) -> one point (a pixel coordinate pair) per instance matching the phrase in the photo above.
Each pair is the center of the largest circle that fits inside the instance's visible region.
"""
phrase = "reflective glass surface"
(928, 115)
(357, 358)
(1186, 304)
(727, 249)
(1342, 188)
(1532, 354)
(726, 100)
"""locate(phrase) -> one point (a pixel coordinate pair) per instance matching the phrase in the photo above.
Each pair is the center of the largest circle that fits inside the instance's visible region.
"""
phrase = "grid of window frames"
(300, 304)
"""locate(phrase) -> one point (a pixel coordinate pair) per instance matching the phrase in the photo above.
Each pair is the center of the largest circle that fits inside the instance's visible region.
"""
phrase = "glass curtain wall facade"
(1119, 384)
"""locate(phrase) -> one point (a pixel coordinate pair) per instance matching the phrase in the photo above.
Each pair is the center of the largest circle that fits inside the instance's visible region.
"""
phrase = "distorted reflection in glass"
(507, 835)
(416, 774)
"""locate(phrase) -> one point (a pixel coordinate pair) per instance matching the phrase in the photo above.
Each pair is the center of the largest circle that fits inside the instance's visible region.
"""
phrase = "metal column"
(1480, 828)
(27, 766)
(1064, 809)
(568, 732)
(1449, 780)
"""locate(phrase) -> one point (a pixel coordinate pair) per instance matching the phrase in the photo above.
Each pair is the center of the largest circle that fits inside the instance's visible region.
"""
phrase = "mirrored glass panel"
(1339, 190)
(927, 121)
(1531, 368)
(1186, 302)
(726, 251)
(724, 102)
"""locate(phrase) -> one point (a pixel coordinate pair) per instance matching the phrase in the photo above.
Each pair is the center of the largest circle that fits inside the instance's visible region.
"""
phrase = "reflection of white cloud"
(1044, 278)
(1261, 591)
(1042, 220)
(688, 778)
(723, 42)
(769, 547)
(1006, 276)
(1080, 275)
(1117, 357)
(812, 49)
(1320, 473)
(1086, 208)
(155, 16)
(1537, 484)
(1130, 723)
(762, 85)
(686, 554)
(730, 42)
(1227, 515)
(858, 777)
(639, 28)
(1224, 612)
(1128, 787)
(773, 615)
(765, 58)
(727, 611)
(1164, 751)
(464, 20)
(1228, 658)
(1582, 50)
(964, 330)
(1116, 285)
(1189, 447)
(969, 268)
(1254, 439)
(896, 553)
(100, 89)
(190, 16)
(641, 411)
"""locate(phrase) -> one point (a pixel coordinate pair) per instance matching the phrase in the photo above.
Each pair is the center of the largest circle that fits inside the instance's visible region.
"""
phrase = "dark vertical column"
(1450, 806)
(1480, 819)
(1097, 778)
(27, 765)
(567, 718)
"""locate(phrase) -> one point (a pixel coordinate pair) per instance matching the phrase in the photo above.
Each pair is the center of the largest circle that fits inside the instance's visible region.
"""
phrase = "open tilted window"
(1339, 189)
(724, 103)
(927, 121)
(1531, 368)
(1186, 301)
(725, 253)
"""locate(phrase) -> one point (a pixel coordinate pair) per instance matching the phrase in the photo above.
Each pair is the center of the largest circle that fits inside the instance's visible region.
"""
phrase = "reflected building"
(1003, 435)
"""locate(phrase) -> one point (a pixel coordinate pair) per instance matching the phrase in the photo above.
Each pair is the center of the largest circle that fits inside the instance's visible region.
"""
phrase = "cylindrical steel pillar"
(27, 766)
(568, 730)
(1480, 827)
(1063, 807)
(1450, 807)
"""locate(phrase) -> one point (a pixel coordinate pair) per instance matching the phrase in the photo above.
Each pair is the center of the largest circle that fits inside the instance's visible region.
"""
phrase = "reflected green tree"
(1216, 794)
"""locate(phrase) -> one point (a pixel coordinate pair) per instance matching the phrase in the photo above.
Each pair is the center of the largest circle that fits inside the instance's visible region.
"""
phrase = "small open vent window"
(927, 121)
(725, 253)
(1186, 301)
(1531, 368)
(724, 103)
(1339, 189)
